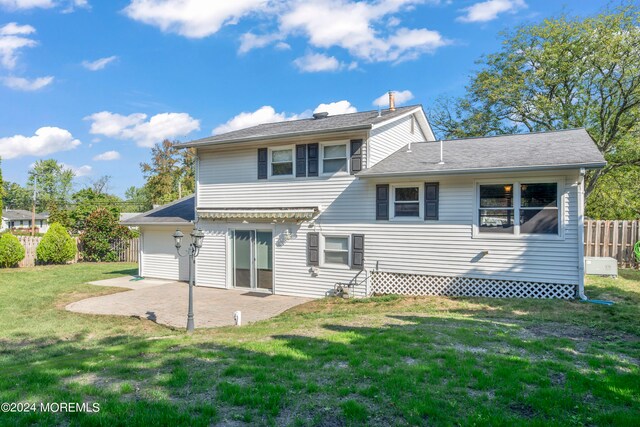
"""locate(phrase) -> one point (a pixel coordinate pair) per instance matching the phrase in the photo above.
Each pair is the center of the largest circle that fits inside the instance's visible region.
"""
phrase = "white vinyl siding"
(391, 137)
(228, 178)
(158, 256)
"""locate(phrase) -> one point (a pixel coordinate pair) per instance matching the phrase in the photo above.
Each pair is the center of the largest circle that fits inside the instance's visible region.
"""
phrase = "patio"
(165, 302)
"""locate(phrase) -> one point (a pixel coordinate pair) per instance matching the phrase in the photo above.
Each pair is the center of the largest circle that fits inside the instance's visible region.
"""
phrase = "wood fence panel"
(127, 250)
(614, 239)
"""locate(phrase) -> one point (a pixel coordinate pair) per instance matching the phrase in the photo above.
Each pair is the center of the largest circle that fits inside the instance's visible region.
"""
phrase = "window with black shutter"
(313, 249)
(301, 160)
(356, 156)
(382, 201)
(431, 201)
(263, 163)
(312, 159)
(357, 251)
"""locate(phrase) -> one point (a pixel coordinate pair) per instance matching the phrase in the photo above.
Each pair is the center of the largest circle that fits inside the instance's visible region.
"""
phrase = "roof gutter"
(204, 143)
(481, 170)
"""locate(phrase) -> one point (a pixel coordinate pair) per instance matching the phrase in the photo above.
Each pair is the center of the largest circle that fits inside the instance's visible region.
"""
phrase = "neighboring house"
(295, 207)
(21, 219)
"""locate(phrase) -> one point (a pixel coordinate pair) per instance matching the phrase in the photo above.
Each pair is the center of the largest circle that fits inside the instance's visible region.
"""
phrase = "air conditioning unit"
(601, 266)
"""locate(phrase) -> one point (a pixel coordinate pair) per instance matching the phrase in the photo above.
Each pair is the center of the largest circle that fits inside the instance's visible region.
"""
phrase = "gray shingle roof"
(181, 211)
(21, 214)
(530, 151)
(337, 123)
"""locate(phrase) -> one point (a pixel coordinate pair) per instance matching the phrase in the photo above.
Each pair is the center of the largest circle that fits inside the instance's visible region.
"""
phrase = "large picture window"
(282, 162)
(518, 208)
(334, 158)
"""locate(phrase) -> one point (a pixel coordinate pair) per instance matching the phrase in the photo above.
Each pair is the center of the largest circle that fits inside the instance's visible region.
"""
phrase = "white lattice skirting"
(383, 282)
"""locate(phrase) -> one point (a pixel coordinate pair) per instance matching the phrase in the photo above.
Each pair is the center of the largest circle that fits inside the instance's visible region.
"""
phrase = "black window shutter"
(313, 249)
(356, 156)
(263, 153)
(357, 251)
(301, 160)
(312, 156)
(431, 200)
(382, 201)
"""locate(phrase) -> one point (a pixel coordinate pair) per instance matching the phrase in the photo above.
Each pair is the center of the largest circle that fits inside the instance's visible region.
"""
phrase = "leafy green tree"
(102, 231)
(11, 251)
(57, 246)
(137, 199)
(170, 174)
(86, 201)
(1, 187)
(562, 73)
(54, 184)
(16, 196)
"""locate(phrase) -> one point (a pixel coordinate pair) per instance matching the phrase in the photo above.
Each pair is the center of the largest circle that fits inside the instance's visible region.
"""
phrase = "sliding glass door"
(252, 261)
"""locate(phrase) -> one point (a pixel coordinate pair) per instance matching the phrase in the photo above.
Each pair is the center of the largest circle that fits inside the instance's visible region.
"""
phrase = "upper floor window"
(519, 208)
(406, 201)
(334, 158)
(282, 162)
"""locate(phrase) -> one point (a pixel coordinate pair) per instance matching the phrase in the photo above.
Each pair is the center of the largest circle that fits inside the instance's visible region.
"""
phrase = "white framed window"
(281, 162)
(530, 208)
(406, 201)
(335, 250)
(334, 158)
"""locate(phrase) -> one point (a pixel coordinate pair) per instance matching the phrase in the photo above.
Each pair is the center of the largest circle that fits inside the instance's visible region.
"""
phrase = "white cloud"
(338, 107)
(368, 29)
(490, 9)
(352, 26)
(26, 4)
(268, 114)
(20, 83)
(78, 171)
(192, 18)
(98, 64)
(316, 62)
(144, 132)
(47, 140)
(12, 40)
(400, 97)
(264, 114)
(107, 156)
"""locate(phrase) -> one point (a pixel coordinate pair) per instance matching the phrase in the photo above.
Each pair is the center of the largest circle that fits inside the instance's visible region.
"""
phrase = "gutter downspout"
(581, 293)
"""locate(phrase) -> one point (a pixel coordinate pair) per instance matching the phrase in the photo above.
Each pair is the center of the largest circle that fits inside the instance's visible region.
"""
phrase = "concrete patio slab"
(167, 304)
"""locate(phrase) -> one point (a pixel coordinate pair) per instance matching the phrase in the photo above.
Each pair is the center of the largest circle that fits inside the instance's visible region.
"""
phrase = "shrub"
(101, 231)
(11, 251)
(57, 246)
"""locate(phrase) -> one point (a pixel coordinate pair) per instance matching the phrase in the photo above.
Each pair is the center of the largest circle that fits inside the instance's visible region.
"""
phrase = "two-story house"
(295, 207)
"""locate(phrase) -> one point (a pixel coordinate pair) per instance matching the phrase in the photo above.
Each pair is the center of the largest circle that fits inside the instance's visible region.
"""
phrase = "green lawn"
(380, 361)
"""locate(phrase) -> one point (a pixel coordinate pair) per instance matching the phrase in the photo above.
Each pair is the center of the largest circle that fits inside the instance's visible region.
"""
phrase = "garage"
(158, 256)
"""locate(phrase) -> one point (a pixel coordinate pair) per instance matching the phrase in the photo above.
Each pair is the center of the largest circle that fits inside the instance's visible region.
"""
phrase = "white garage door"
(159, 257)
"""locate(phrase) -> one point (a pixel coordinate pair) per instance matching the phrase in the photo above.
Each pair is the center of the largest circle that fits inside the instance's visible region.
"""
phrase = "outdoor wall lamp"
(197, 236)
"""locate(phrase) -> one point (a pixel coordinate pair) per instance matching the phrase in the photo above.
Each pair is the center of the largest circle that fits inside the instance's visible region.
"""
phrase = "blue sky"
(94, 84)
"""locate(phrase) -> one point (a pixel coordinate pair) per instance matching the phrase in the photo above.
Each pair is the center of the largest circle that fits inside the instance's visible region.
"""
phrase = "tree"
(1, 186)
(57, 246)
(16, 196)
(170, 172)
(563, 73)
(54, 184)
(101, 185)
(101, 232)
(137, 199)
(86, 202)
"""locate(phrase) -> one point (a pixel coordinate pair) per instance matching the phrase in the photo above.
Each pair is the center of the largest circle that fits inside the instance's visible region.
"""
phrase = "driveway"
(166, 302)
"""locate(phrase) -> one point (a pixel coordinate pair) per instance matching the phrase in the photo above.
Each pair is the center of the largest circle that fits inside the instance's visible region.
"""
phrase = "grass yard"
(380, 361)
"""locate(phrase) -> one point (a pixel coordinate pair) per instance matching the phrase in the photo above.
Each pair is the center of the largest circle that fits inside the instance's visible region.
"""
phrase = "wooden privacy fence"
(126, 252)
(613, 239)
